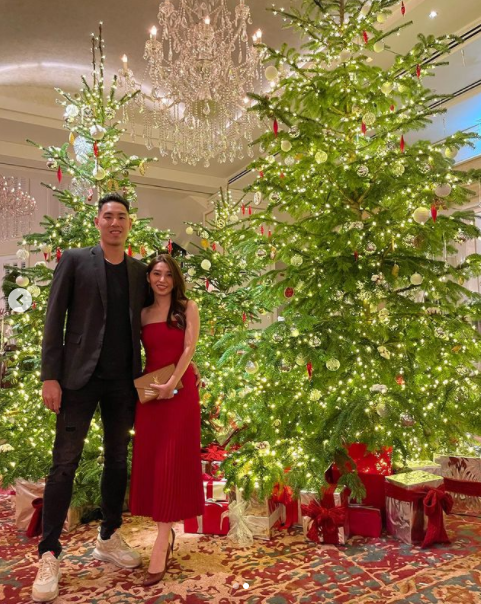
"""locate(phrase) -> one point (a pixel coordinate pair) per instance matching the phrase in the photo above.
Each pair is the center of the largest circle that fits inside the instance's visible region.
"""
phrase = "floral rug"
(285, 570)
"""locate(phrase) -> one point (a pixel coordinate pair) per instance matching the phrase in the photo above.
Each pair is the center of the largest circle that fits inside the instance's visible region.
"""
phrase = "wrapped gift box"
(214, 521)
(415, 504)
(372, 468)
(25, 493)
(289, 505)
(364, 521)
(462, 479)
(212, 468)
(324, 516)
(214, 488)
(262, 515)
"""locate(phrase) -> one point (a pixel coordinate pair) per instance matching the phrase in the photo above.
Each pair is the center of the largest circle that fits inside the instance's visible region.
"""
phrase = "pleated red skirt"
(166, 481)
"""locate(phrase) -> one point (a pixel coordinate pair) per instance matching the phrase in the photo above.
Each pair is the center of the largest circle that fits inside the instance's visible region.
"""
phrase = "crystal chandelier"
(16, 208)
(201, 64)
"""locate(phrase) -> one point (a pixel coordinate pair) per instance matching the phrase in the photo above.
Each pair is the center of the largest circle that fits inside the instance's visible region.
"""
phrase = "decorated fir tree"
(219, 276)
(93, 163)
(376, 340)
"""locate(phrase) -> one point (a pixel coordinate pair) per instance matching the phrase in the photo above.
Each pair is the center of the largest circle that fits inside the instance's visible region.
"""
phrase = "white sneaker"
(117, 551)
(45, 586)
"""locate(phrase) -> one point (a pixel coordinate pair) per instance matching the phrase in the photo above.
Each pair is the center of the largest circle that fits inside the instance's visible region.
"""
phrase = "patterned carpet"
(282, 571)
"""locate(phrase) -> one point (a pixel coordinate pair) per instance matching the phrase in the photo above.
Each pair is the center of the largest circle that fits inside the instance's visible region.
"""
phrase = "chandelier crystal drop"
(16, 208)
(200, 64)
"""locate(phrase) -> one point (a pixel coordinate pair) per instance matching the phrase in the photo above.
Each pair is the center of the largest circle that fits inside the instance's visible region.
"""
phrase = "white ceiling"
(47, 44)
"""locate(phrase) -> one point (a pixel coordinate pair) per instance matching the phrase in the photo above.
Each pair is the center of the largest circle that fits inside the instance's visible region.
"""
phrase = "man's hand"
(52, 395)
(198, 380)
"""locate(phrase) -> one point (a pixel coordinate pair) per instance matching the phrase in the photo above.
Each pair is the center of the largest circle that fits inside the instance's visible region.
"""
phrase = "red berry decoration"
(214, 247)
(400, 380)
(261, 174)
(288, 292)
(392, 107)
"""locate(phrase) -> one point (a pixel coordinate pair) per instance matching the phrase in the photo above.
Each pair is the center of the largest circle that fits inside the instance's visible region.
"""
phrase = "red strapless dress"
(166, 482)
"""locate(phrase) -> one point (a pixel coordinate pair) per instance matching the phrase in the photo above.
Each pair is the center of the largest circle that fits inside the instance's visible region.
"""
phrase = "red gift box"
(214, 521)
(372, 468)
(364, 521)
(289, 506)
(324, 517)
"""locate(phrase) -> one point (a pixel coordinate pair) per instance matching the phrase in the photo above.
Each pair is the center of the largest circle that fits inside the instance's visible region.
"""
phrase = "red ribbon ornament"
(325, 522)
(283, 494)
(275, 127)
(250, 211)
(59, 174)
(435, 502)
(403, 9)
(262, 230)
(243, 209)
(402, 144)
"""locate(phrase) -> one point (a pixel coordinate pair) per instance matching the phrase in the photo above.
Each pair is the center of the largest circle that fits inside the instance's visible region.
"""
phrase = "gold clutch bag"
(160, 376)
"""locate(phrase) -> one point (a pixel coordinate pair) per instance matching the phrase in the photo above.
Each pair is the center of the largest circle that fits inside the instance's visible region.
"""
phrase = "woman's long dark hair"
(179, 300)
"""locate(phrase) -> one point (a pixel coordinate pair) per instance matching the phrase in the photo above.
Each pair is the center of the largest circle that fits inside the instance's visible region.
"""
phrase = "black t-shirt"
(115, 360)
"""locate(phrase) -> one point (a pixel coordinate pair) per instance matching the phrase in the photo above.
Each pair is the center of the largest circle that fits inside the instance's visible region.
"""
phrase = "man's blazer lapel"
(133, 285)
(99, 264)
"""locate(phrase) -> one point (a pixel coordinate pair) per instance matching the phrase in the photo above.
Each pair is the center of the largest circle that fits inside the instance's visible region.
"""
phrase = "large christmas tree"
(95, 167)
(376, 340)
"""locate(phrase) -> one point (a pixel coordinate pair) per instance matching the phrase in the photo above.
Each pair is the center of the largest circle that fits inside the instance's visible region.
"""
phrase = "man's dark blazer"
(79, 292)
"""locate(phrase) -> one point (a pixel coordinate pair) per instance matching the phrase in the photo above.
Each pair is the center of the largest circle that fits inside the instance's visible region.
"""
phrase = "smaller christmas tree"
(96, 167)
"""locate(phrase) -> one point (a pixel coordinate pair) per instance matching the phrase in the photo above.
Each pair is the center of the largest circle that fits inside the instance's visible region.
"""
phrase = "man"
(101, 291)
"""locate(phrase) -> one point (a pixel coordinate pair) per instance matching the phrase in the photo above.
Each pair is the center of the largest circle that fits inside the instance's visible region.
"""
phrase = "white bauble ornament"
(261, 253)
(443, 190)
(97, 132)
(369, 118)
(363, 171)
(271, 73)
(233, 218)
(382, 409)
(300, 360)
(344, 55)
(320, 157)
(401, 88)
(381, 18)
(450, 152)
(333, 364)
(416, 279)
(22, 281)
(189, 230)
(99, 173)
(286, 145)
(294, 332)
(386, 88)
(71, 111)
(421, 215)
(82, 146)
(22, 254)
(191, 271)
(315, 395)
(252, 367)
(296, 260)
(398, 169)
(40, 263)
(257, 198)
(290, 160)
(378, 46)
(33, 290)
(206, 264)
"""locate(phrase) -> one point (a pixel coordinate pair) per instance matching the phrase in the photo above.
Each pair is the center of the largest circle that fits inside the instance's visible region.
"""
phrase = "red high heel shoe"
(154, 578)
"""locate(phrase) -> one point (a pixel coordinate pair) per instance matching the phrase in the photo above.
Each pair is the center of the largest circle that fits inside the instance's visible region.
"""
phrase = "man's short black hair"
(114, 197)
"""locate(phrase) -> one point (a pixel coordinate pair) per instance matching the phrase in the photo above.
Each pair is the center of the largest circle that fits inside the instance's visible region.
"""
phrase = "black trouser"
(117, 400)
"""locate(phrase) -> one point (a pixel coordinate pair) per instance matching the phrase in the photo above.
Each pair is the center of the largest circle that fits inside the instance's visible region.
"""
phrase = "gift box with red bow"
(372, 468)
(289, 506)
(262, 515)
(214, 521)
(325, 517)
(462, 479)
(28, 508)
(212, 456)
(214, 488)
(415, 506)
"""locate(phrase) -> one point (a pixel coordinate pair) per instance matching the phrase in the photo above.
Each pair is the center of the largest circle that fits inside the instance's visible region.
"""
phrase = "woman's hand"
(166, 391)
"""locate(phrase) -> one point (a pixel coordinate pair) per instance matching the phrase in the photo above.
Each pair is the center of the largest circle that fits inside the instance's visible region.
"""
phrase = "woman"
(166, 482)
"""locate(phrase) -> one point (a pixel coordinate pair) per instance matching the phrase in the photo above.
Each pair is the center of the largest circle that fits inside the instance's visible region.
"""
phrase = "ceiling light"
(433, 14)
